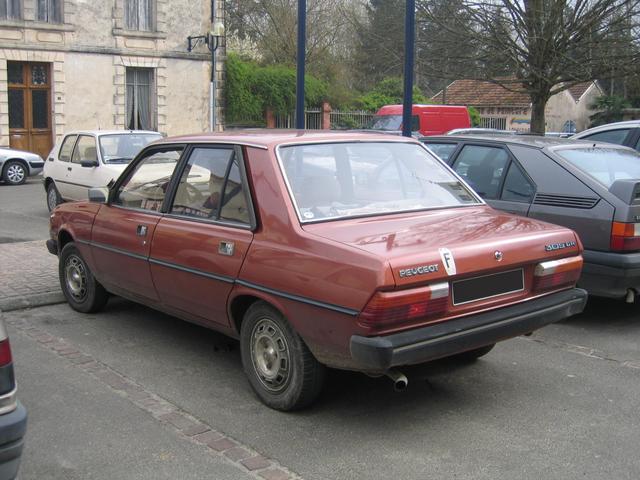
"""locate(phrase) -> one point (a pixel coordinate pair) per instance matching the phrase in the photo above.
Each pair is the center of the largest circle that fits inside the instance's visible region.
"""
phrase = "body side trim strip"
(117, 250)
(195, 271)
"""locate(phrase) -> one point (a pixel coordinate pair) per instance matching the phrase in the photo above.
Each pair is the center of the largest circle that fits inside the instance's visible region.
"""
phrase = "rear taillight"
(557, 273)
(5, 353)
(392, 308)
(625, 237)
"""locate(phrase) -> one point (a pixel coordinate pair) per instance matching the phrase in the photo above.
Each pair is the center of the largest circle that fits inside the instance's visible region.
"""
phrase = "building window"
(140, 99)
(49, 11)
(10, 10)
(138, 15)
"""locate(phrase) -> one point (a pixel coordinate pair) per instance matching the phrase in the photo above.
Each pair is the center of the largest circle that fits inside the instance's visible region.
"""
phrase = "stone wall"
(89, 54)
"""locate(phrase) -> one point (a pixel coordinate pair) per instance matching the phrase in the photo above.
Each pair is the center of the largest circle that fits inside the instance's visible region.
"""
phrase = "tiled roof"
(483, 94)
(486, 94)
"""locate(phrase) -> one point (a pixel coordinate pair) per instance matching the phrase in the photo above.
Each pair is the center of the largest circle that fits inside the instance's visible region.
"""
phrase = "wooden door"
(30, 107)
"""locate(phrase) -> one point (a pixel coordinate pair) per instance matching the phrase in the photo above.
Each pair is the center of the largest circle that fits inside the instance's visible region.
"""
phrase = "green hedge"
(251, 89)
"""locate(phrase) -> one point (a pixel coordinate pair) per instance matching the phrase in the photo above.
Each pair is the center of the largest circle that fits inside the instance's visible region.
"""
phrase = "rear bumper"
(610, 274)
(378, 354)
(13, 427)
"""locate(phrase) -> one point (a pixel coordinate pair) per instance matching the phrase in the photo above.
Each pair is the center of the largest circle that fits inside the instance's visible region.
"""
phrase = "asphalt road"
(563, 403)
(23, 212)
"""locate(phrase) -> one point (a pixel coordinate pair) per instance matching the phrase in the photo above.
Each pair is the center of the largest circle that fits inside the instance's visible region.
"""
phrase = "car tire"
(281, 370)
(53, 197)
(80, 288)
(14, 173)
(472, 355)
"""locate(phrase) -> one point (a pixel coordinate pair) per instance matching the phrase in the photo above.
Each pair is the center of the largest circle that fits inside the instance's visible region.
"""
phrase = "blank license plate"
(487, 286)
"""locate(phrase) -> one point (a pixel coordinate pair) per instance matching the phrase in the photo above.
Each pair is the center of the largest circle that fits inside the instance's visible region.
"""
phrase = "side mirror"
(98, 194)
(89, 163)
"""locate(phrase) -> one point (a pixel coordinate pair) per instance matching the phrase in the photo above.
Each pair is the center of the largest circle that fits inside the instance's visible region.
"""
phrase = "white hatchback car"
(87, 159)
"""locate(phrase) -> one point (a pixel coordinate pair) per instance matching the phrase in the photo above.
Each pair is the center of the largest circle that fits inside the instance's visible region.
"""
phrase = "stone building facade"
(104, 64)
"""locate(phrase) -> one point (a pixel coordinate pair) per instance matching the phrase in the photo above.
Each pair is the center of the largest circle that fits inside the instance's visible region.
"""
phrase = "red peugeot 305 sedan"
(353, 251)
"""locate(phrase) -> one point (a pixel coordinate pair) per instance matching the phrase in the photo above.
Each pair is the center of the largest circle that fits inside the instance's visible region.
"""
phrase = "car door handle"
(141, 231)
(226, 248)
(70, 169)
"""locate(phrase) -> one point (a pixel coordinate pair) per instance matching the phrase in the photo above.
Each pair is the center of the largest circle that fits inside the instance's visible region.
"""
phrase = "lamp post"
(212, 41)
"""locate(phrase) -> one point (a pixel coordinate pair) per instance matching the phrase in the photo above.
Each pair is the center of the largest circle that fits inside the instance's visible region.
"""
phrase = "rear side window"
(482, 167)
(517, 187)
(67, 148)
(211, 187)
(606, 165)
(611, 136)
(442, 150)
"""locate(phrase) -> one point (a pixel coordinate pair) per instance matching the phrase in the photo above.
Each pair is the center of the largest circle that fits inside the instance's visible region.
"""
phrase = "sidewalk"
(28, 276)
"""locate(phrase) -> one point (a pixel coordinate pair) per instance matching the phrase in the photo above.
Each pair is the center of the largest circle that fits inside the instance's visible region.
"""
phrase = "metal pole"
(409, 40)
(212, 84)
(302, 34)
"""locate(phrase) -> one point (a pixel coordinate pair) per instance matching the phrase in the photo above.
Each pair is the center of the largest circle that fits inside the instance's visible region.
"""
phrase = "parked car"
(426, 119)
(621, 133)
(86, 159)
(592, 188)
(17, 165)
(353, 251)
(13, 415)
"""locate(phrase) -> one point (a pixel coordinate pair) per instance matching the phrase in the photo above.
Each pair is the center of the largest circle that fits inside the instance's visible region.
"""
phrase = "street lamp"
(212, 41)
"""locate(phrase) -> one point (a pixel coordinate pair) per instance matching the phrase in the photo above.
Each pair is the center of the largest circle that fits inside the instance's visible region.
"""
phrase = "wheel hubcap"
(15, 173)
(270, 355)
(52, 198)
(76, 277)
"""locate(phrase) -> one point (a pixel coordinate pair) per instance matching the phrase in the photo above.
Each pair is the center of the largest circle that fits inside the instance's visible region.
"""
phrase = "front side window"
(482, 167)
(146, 185)
(10, 10)
(122, 147)
(211, 187)
(67, 148)
(138, 15)
(611, 136)
(606, 165)
(85, 150)
(49, 11)
(442, 150)
(339, 180)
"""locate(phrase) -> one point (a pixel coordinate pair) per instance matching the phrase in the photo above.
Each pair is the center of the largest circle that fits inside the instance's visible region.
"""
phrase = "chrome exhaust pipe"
(631, 296)
(400, 381)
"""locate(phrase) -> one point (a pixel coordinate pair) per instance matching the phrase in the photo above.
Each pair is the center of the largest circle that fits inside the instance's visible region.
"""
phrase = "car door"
(123, 229)
(58, 165)
(199, 245)
(493, 174)
(79, 178)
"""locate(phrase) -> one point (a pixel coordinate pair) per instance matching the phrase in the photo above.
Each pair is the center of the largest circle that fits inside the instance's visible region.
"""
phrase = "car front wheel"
(53, 197)
(81, 289)
(281, 370)
(14, 173)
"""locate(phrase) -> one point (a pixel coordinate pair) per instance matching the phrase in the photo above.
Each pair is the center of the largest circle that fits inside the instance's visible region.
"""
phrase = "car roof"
(535, 141)
(99, 133)
(609, 126)
(271, 138)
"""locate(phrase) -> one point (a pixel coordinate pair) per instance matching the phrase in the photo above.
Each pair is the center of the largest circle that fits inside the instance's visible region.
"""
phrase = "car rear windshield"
(606, 165)
(340, 180)
(122, 147)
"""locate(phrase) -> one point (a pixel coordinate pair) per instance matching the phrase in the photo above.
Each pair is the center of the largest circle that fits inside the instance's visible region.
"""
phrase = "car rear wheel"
(14, 173)
(81, 289)
(281, 370)
(473, 355)
(53, 197)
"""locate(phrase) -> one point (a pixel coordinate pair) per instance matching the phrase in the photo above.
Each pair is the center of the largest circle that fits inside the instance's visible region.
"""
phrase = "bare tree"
(540, 46)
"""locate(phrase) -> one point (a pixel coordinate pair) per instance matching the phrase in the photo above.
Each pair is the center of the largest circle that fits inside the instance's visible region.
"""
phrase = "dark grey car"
(593, 188)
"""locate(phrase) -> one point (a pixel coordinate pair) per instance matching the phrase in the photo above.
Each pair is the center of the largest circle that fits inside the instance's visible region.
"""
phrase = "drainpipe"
(213, 83)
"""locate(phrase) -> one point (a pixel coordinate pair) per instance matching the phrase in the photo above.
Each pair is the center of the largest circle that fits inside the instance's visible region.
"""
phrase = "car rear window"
(340, 180)
(606, 165)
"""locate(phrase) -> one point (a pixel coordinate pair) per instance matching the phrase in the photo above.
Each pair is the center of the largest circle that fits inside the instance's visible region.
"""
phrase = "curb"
(9, 304)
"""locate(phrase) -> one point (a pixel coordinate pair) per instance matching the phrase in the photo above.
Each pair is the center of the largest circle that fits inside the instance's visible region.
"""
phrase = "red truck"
(426, 119)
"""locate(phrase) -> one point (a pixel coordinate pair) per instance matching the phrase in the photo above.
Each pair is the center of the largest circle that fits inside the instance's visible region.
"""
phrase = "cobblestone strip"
(28, 276)
(185, 425)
